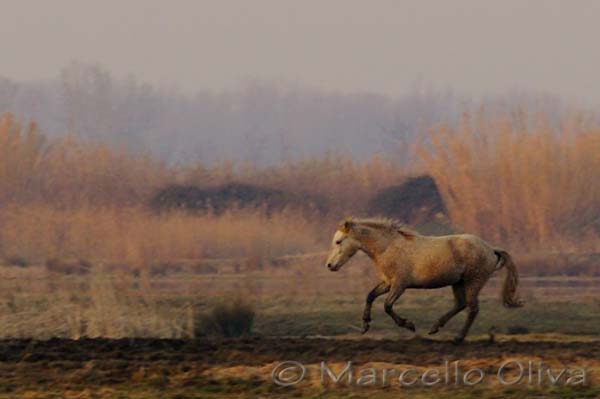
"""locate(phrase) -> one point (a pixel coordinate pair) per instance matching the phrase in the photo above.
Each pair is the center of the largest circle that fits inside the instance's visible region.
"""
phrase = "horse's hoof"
(433, 330)
(410, 326)
(458, 340)
(365, 328)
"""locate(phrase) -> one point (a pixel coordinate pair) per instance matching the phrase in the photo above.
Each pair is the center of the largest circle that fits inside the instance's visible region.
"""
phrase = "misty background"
(267, 80)
(260, 122)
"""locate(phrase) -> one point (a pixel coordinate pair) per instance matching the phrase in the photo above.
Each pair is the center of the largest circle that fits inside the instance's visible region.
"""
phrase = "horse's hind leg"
(389, 303)
(472, 301)
(458, 290)
(379, 290)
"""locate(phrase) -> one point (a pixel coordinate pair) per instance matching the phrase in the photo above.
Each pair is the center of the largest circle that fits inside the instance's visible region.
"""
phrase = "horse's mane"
(389, 225)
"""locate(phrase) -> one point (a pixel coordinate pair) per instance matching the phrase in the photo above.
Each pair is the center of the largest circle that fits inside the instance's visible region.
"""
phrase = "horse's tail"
(509, 289)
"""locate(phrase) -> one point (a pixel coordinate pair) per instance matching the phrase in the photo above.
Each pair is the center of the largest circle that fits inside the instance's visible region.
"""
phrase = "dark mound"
(232, 195)
(415, 201)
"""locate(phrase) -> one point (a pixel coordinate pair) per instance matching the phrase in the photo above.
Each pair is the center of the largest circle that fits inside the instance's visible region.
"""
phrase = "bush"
(68, 266)
(18, 261)
(235, 196)
(164, 268)
(415, 201)
(203, 268)
(219, 199)
(226, 320)
(517, 330)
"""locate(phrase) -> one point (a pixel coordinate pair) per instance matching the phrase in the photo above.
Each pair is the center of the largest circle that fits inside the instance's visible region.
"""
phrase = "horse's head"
(343, 246)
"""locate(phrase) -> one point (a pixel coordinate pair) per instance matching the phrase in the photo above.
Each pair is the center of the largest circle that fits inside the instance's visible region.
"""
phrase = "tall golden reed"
(520, 181)
(517, 181)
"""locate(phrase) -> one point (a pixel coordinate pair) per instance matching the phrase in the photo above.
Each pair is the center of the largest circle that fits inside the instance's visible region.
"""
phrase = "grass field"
(299, 300)
(303, 313)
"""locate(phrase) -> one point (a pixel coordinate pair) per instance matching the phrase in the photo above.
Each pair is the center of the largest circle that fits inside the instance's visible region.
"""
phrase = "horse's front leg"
(379, 290)
(392, 297)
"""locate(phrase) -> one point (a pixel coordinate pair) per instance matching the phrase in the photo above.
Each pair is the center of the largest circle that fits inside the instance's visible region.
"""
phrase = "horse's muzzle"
(332, 267)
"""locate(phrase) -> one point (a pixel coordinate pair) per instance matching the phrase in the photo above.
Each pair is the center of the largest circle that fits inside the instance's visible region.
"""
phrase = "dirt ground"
(167, 368)
(309, 323)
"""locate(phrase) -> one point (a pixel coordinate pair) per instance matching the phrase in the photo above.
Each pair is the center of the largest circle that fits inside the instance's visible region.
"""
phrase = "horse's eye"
(338, 242)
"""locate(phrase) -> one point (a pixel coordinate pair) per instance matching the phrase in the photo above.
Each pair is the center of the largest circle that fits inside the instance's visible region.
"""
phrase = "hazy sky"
(384, 46)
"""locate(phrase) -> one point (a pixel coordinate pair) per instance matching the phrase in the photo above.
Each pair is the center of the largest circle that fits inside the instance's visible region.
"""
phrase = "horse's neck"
(375, 243)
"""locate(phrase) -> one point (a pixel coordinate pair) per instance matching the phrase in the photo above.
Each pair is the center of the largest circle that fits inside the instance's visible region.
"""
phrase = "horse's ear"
(347, 226)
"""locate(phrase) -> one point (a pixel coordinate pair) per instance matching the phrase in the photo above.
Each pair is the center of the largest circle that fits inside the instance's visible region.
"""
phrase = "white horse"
(405, 259)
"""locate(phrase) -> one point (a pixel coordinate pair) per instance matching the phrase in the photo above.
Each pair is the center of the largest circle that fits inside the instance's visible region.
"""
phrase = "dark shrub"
(415, 201)
(18, 261)
(68, 266)
(227, 320)
(164, 268)
(516, 330)
(220, 198)
(205, 268)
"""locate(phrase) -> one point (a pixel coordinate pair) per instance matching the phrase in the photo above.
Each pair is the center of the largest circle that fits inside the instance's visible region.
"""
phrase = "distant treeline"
(261, 123)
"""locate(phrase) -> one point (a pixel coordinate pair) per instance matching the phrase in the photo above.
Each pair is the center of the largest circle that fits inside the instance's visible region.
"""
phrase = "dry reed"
(520, 183)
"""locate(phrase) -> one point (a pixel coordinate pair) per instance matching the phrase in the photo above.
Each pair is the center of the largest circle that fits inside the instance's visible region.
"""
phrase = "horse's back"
(475, 254)
(445, 260)
(469, 248)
